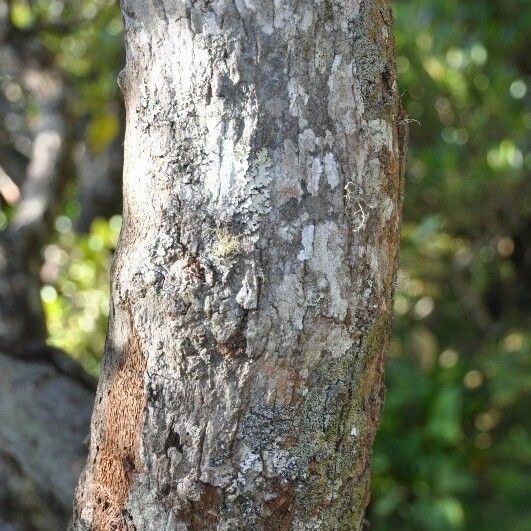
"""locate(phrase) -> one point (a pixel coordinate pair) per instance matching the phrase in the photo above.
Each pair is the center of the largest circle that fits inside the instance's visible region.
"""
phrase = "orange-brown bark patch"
(203, 514)
(117, 455)
(280, 510)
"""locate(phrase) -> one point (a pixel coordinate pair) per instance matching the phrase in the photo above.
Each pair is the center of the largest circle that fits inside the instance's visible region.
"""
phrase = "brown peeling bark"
(255, 271)
(117, 456)
(115, 451)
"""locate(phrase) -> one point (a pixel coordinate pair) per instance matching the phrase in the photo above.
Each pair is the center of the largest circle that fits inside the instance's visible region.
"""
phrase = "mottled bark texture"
(243, 374)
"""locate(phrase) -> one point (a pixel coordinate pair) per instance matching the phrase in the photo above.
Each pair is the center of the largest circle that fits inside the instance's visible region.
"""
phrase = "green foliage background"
(454, 450)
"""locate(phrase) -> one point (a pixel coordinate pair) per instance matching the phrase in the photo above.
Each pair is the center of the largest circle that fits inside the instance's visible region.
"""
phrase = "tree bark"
(252, 288)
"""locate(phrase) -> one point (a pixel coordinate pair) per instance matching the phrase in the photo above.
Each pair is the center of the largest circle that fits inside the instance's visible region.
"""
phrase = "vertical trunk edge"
(252, 289)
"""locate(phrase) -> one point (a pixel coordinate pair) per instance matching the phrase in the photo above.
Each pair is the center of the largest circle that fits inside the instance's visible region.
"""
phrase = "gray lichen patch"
(308, 234)
(329, 247)
(247, 297)
(255, 192)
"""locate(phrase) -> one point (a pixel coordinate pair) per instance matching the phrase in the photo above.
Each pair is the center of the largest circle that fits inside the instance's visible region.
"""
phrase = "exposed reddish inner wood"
(117, 455)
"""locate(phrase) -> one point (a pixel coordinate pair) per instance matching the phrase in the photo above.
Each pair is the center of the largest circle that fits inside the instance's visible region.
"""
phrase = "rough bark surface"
(243, 374)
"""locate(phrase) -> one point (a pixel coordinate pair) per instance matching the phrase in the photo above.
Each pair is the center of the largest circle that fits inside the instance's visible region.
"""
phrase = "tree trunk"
(45, 397)
(243, 375)
(21, 313)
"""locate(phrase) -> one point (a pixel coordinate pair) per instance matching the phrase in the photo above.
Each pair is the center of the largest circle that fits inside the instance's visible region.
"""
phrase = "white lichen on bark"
(261, 369)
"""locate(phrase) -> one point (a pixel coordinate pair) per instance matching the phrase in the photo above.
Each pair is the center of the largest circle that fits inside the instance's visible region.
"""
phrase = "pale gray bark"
(252, 288)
